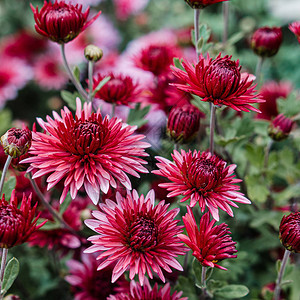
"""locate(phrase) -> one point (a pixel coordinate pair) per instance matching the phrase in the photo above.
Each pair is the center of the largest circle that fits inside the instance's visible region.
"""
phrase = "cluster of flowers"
(96, 154)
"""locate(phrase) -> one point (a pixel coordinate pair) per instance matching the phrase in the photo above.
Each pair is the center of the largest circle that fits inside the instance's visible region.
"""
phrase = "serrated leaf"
(137, 115)
(289, 106)
(257, 191)
(76, 73)
(197, 268)
(232, 291)
(187, 286)
(64, 206)
(10, 274)
(101, 84)
(213, 285)
(8, 187)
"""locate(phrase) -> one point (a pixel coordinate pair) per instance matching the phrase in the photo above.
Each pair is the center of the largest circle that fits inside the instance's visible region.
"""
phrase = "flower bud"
(183, 123)
(295, 29)
(280, 128)
(16, 142)
(266, 41)
(289, 232)
(202, 3)
(93, 53)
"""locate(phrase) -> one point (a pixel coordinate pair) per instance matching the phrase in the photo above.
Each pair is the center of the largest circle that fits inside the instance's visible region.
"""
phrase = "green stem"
(280, 274)
(7, 163)
(258, 70)
(77, 84)
(226, 21)
(113, 110)
(2, 269)
(90, 75)
(196, 30)
(203, 283)
(212, 127)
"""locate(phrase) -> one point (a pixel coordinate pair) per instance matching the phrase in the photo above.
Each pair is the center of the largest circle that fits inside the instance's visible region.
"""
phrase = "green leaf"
(213, 285)
(50, 225)
(63, 207)
(8, 187)
(5, 120)
(232, 291)
(70, 98)
(76, 73)
(137, 115)
(257, 190)
(10, 274)
(178, 63)
(289, 106)
(187, 286)
(197, 268)
(101, 84)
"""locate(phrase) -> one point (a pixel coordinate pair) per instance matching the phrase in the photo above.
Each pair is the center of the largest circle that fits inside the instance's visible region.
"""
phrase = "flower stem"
(226, 21)
(77, 84)
(203, 283)
(196, 30)
(90, 75)
(7, 163)
(176, 146)
(49, 207)
(212, 127)
(258, 70)
(280, 274)
(3, 263)
(113, 110)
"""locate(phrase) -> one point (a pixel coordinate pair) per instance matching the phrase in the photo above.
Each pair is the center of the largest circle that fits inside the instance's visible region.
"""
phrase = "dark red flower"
(16, 142)
(145, 292)
(289, 232)
(118, 90)
(17, 224)
(135, 234)
(61, 22)
(295, 28)
(89, 284)
(183, 123)
(266, 41)
(280, 128)
(271, 91)
(202, 3)
(203, 178)
(219, 81)
(156, 58)
(210, 244)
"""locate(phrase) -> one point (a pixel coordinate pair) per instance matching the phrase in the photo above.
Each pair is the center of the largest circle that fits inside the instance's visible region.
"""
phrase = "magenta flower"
(220, 82)
(295, 29)
(61, 22)
(145, 292)
(202, 3)
(87, 150)
(280, 128)
(135, 234)
(203, 178)
(210, 244)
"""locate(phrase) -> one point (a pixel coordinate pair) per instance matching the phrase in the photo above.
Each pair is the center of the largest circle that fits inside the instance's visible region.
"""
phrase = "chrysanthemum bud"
(201, 3)
(289, 232)
(295, 29)
(266, 41)
(183, 123)
(16, 142)
(93, 53)
(280, 128)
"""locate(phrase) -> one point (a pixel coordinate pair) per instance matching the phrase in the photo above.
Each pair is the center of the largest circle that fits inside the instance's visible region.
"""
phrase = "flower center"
(203, 174)
(142, 234)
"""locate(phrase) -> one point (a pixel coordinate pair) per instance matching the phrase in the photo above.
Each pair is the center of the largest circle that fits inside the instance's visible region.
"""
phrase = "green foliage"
(8, 187)
(137, 115)
(101, 84)
(10, 274)
(232, 291)
(70, 98)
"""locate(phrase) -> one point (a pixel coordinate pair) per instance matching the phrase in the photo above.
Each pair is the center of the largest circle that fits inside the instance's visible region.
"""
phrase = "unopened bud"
(280, 128)
(93, 53)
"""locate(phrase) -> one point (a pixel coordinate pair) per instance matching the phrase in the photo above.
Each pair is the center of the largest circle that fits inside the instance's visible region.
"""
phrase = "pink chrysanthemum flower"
(145, 292)
(203, 178)
(220, 82)
(87, 150)
(136, 235)
(295, 29)
(210, 244)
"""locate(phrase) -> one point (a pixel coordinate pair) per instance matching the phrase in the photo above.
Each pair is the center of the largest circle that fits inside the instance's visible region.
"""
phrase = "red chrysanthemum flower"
(119, 90)
(136, 235)
(289, 232)
(145, 292)
(295, 29)
(202, 3)
(266, 41)
(87, 150)
(219, 81)
(89, 284)
(209, 244)
(17, 224)
(156, 58)
(61, 22)
(203, 178)
(271, 91)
